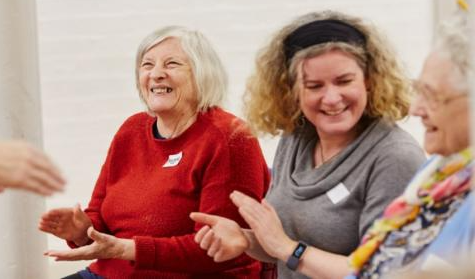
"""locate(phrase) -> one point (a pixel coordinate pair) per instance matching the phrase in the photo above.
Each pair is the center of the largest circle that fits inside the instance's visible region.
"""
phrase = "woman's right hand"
(221, 237)
(67, 223)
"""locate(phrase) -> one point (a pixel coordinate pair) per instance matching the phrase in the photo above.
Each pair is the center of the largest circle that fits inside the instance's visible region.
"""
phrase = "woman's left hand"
(104, 247)
(266, 225)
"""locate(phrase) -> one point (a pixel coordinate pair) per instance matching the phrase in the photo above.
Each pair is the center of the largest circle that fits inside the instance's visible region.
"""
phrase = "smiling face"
(442, 105)
(166, 80)
(333, 93)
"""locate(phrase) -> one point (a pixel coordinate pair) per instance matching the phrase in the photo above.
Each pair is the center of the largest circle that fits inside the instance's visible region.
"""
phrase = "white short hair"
(209, 73)
(452, 40)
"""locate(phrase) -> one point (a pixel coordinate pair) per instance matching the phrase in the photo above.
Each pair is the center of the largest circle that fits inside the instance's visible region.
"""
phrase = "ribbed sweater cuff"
(144, 252)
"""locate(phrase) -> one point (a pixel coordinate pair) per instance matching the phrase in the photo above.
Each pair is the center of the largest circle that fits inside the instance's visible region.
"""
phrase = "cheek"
(442, 139)
(362, 94)
(143, 80)
(187, 84)
(187, 89)
(360, 99)
(458, 130)
(309, 101)
(182, 79)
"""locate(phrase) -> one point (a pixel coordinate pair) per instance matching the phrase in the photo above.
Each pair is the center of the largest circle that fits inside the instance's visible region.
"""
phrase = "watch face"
(299, 250)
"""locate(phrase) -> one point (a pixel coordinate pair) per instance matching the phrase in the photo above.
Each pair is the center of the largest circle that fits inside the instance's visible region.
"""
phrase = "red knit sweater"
(137, 196)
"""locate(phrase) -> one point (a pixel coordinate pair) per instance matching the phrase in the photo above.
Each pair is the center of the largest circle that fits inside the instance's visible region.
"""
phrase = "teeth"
(161, 90)
(334, 112)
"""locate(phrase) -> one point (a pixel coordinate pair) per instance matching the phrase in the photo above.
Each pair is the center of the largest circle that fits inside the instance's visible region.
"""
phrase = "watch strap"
(294, 259)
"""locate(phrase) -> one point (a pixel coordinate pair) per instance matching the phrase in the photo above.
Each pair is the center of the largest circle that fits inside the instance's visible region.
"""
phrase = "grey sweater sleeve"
(391, 172)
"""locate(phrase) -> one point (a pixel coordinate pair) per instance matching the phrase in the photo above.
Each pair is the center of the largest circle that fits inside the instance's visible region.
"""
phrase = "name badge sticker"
(173, 160)
(338, 193)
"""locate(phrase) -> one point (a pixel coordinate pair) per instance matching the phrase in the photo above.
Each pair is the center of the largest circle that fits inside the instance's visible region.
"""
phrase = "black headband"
(319, 32)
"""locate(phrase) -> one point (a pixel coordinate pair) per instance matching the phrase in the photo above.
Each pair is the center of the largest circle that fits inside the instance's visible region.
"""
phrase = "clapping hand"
(67, 223)
(266, 225)
(221, 237)
(104, 247)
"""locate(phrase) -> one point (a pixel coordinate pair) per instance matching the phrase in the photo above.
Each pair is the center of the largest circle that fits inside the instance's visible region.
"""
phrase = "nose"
(331, 95)
(158, 72)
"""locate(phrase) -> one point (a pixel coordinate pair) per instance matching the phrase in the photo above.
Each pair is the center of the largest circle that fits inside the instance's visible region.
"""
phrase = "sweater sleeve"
(236, 165)
(119, 143)
(391, 173)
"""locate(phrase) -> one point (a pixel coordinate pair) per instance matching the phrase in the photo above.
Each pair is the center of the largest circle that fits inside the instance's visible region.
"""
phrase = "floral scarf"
(440, 184)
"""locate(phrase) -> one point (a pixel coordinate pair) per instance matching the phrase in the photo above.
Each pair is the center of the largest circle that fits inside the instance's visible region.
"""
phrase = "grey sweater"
(331, 207)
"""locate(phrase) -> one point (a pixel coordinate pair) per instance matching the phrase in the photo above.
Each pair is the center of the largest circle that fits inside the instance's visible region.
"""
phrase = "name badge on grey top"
(338, 193)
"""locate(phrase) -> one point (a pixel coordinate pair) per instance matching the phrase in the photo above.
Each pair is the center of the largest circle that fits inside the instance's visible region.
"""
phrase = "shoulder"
(400, 145)
(398, 135)
(396, 157)
(137, 118)
(226, 126)
(131, 133)
(305, 134)
(134, 123)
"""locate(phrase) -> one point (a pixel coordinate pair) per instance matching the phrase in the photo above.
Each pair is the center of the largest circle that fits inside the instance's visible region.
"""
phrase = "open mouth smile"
(161, 90)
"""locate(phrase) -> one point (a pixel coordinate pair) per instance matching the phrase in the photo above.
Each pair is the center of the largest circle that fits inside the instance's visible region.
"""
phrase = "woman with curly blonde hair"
(271, 103)
(330, 84)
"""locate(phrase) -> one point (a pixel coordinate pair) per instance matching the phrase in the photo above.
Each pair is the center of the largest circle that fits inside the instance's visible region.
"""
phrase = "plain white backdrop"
(87, 49)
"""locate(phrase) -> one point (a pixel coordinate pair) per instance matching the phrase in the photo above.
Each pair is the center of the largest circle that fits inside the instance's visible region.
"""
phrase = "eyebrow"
(146, 58)
(180, 59)
(428, 87)
(345, 75)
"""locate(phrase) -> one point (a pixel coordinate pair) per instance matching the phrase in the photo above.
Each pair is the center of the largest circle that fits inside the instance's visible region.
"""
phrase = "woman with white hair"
(185, 154)
(432, 223)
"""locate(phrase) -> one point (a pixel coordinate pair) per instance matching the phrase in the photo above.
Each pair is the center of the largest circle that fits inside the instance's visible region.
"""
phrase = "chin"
(436, 149)
(338, 129)
(160, 107)
(430, 148)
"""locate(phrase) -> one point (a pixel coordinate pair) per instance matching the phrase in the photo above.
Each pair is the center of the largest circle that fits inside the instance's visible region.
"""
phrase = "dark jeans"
(84, 274)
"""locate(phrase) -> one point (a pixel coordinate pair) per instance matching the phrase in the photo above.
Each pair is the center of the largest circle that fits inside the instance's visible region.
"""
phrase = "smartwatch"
(294, 258)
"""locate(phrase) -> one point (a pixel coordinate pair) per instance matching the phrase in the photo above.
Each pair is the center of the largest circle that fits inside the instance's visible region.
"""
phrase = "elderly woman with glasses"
(432, 225)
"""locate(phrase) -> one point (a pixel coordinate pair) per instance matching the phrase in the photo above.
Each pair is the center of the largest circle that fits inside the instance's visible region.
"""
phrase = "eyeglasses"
(432, 98)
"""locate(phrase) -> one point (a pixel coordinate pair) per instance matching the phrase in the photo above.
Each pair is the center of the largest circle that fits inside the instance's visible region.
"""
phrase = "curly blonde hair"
(271, 105)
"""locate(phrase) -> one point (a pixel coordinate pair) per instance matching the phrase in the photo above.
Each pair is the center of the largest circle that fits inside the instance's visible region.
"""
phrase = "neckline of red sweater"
(192, 132)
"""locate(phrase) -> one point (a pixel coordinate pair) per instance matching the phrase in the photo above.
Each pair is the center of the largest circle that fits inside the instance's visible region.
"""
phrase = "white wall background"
(87, 50)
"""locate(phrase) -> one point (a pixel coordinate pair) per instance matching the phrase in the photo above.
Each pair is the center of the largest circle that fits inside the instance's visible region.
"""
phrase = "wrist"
(287, 249)
(128, 250)
(293, 260)
(248, 235)
(81, 241)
